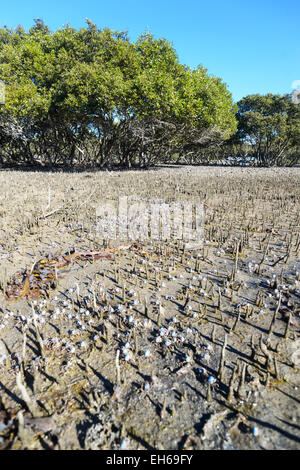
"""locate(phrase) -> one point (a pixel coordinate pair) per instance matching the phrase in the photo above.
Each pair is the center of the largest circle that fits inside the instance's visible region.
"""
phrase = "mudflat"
(158, 346)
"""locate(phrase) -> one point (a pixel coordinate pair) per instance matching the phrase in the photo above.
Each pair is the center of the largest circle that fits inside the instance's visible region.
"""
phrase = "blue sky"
(254, 46)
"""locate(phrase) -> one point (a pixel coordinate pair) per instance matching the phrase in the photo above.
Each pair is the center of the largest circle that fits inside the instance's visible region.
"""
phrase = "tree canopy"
(92, 96)
(270, 126)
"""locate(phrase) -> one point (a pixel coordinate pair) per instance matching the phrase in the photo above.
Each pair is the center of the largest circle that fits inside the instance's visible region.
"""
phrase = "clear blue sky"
(254, 46)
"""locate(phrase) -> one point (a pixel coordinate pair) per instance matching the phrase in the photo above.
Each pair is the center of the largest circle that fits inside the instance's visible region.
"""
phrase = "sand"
(69, 380)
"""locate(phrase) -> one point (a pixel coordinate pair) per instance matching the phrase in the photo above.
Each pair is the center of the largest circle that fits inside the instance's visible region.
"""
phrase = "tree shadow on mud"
(78, 169)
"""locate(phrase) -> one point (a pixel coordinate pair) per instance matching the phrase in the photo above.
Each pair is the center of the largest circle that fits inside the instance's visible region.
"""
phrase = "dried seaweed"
(36, 282)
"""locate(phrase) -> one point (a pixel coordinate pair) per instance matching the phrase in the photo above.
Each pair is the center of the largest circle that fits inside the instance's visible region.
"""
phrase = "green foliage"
(92, 96)
(270, 124)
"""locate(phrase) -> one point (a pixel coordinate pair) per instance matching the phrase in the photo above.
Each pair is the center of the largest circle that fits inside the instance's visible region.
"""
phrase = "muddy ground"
(161, 346)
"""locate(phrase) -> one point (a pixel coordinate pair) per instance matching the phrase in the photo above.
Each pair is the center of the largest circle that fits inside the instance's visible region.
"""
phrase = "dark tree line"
(91, 97)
